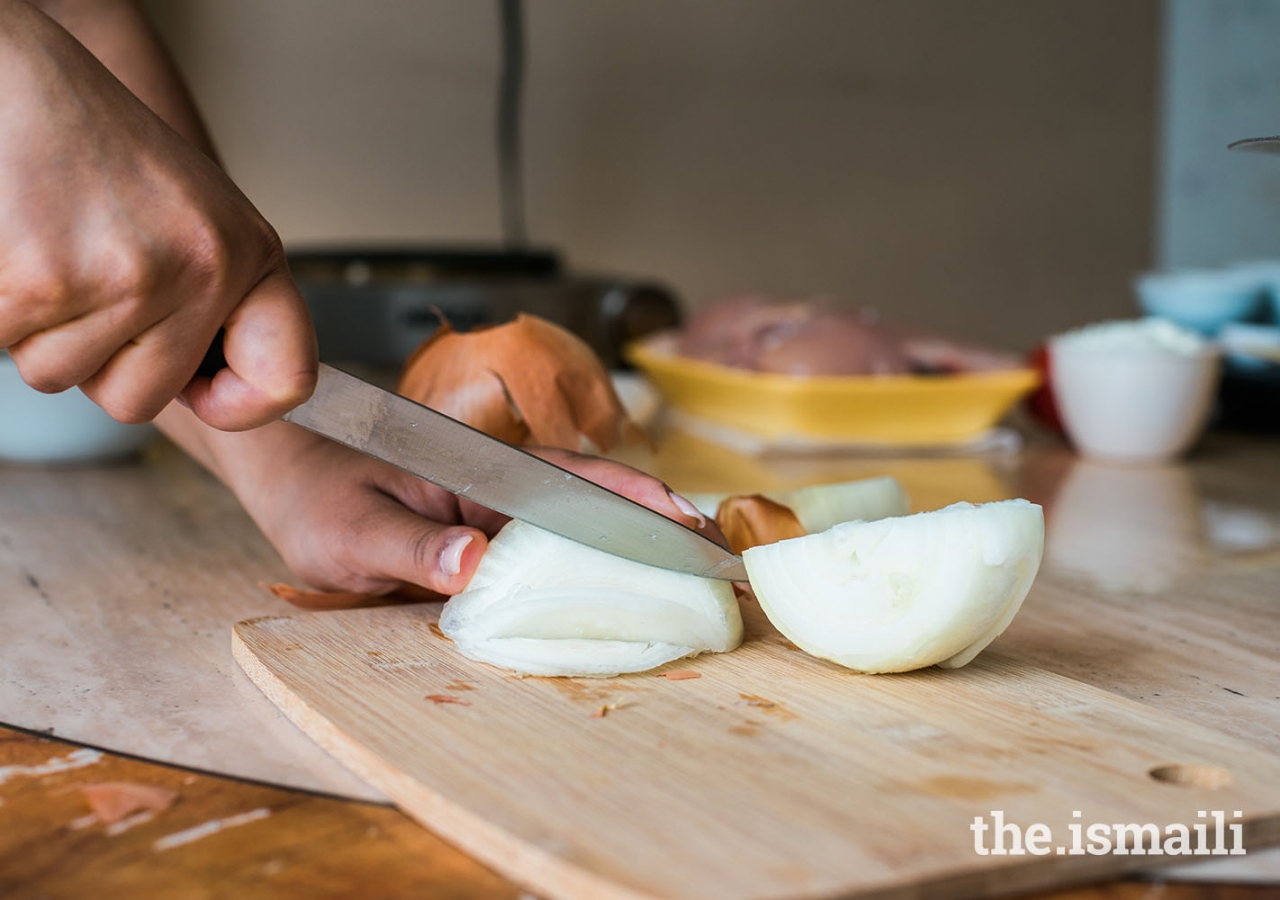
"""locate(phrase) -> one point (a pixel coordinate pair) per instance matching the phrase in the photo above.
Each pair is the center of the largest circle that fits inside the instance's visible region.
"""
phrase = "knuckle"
(47, 381)
(269, 240)
(424, 554)
(216, 263)
(126, 272)
(34, 280)
(39, 371)
(133, 411)
(207, 257)
(126, 406)
(297, 387)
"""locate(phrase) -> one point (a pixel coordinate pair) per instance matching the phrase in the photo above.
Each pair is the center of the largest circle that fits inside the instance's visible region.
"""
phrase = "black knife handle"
(213, 360)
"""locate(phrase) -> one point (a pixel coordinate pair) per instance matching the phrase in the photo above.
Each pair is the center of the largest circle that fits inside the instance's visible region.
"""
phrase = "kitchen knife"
(469, 463)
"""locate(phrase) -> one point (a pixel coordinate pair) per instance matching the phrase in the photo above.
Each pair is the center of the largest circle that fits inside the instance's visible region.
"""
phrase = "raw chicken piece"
(724, 331)
(830, 342)
(810, 337)
(801, 337)
(935, 353)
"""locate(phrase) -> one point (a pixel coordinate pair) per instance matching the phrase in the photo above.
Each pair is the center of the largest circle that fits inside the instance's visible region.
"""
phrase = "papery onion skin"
(819, 506)
(902, 593)
(527, 380)
(750, 520)
(114, 801)
(544, 605)
(305, 599)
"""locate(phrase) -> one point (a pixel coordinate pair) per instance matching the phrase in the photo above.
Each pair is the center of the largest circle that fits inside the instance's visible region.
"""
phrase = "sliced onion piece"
(819, 506)
(544, 605)
(902, 593)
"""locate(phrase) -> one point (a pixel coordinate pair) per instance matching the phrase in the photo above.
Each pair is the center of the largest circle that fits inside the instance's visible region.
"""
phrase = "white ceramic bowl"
(1132, 402)
(59, 428)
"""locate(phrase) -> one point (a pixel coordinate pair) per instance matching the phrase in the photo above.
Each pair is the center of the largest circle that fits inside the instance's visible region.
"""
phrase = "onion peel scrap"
(527, 380)
(446, 699)
(749, 520)
(407, 593)
(114, 801)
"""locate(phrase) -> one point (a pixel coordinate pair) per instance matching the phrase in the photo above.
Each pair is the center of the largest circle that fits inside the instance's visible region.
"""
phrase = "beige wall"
(984, 166)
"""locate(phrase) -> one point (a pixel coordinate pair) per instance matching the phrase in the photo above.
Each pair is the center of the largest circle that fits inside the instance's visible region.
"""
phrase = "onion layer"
(820, 506)
(544, 605)
(902, 593)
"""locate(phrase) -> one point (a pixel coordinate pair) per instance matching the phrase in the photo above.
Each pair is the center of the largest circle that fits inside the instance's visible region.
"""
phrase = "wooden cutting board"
(772, 775)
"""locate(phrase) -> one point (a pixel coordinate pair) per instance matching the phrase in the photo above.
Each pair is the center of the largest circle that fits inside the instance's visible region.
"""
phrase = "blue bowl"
(1203, 299)
(1268, 272)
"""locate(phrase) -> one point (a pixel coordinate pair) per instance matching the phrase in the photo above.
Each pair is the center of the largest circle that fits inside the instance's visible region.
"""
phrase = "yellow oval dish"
(904, 410)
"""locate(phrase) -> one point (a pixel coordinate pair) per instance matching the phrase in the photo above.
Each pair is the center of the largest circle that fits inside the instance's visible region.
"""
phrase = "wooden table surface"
(290, 843)
(1197, 527)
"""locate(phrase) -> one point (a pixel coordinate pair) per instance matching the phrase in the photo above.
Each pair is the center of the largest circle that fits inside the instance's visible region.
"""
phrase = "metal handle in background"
(1257, 145)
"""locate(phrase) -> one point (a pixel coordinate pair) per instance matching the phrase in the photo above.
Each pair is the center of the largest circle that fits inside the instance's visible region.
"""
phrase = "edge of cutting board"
(492, 845)
(551, 875)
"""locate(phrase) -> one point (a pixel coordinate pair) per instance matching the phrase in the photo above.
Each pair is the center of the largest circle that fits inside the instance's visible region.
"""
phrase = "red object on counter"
(1043, 405)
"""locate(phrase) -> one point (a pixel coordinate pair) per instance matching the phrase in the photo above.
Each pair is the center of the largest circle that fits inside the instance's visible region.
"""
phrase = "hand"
(123, 249)
(346, 522)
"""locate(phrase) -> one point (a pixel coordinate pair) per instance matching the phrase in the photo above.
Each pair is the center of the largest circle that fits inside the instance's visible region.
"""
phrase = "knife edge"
(466, 462)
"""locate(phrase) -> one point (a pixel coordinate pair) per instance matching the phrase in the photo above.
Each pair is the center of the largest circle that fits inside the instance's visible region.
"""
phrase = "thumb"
(271, 354)
(409, 548)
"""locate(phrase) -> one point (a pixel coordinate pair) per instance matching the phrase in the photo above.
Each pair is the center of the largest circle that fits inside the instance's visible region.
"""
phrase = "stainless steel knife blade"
(471, 464)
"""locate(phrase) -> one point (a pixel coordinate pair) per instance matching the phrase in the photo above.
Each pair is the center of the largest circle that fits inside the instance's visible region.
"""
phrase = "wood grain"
(272, 843)
(1145, 589)
(154, 562)
(311, 848)
(118, 586)
(772, 775)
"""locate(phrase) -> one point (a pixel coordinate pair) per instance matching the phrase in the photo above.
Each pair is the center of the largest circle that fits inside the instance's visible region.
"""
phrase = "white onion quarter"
(545, 605)
(902, 593)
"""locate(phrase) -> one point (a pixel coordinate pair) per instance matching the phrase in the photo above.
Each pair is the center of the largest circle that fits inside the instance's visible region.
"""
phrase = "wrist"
(247, 462)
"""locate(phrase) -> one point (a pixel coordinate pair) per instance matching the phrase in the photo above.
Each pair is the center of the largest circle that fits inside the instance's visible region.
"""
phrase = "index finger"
(634, 485)
(271, 355)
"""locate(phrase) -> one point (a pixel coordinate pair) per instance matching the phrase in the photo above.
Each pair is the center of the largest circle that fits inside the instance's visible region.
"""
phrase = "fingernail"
(686, 507)
(451, 555)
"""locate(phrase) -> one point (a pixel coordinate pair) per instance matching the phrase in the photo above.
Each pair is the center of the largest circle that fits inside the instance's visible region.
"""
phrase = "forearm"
(201, 442)
(119, 35)
(241, 460)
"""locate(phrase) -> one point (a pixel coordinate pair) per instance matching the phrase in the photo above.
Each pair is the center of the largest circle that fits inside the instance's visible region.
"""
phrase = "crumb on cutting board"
(445, 699)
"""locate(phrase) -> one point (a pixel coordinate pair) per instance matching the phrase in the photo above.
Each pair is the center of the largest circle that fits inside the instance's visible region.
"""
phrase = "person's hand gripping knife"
(124, 248)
